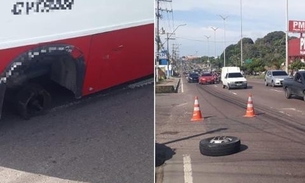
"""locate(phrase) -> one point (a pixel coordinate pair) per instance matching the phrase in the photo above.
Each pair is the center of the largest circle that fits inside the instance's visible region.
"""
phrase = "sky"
(191, 22)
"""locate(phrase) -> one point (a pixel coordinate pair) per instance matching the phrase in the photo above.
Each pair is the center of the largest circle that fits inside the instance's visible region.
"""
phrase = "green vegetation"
(297, 65)
(265, 53)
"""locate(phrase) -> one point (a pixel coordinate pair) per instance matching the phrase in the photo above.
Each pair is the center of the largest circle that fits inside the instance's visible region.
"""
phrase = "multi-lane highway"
(272, 142)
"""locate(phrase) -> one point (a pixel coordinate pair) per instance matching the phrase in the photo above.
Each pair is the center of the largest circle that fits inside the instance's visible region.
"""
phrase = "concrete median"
(170, 85)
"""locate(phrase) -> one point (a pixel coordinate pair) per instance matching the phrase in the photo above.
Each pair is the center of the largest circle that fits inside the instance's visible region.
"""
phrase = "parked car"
(206, 78)
(275, 77)
(295, 85)
(193, 78)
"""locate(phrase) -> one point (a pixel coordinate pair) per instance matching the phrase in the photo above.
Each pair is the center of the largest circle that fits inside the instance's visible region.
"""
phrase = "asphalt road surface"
(272, 142)
(107, 137)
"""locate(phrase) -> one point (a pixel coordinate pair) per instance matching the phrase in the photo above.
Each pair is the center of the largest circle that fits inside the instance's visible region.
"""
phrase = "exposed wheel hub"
(220, 139)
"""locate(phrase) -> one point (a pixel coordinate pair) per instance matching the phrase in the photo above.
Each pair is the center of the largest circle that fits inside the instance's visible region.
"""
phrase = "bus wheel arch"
(64, 64)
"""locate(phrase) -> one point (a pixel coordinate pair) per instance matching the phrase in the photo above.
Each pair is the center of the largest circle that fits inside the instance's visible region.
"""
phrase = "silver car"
(275, 77)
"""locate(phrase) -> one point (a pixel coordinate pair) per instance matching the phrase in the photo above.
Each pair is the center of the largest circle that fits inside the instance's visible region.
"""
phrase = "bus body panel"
(99, 43)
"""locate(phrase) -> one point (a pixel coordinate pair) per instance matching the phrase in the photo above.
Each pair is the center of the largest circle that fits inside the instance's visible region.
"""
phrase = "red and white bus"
(84, 46)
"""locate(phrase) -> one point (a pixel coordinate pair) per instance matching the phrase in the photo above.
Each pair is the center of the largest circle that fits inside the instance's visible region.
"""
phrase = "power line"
(157, 39)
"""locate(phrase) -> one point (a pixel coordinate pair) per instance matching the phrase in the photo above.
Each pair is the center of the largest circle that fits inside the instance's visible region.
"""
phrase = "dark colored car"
(295, 85)
(193, 78)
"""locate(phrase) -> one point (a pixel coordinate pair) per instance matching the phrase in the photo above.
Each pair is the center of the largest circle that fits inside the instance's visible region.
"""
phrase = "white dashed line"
(188, 177)
(181, 104)
(293, 109)
(285, 113)
(279, 91)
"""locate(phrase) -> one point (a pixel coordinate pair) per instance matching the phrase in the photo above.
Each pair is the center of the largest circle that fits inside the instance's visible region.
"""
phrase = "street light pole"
(208, 37)
(168, 36)
(287, 29)
(174, 31)
(241, 34)
(214, 29)
(224, 38)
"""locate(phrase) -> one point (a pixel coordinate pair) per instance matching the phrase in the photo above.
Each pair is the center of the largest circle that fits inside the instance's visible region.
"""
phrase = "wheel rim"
(287, 93)
(35, 104)
(220, 140)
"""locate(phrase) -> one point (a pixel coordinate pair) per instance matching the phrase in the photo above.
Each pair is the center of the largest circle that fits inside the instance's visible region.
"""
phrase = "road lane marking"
(293, 109)
(285, 113)
(179, 105)
(279, 91)
(188, 177)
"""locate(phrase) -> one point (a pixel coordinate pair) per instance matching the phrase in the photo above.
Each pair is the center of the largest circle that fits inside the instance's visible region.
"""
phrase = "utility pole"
(173, 57)
(175, 53)
(175, 50)
(158, 41)
(167, 50)
(168, 37)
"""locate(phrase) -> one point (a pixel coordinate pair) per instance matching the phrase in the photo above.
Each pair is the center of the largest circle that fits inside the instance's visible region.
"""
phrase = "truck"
(295, 85)
(231, 77)
(83, 46)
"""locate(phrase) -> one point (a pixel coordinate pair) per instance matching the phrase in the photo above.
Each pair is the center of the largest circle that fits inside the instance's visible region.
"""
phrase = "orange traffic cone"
(197, 113)
(250, 109)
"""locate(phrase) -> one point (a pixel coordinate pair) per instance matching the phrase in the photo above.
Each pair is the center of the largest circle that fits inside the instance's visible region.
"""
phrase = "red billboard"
(296, 26)
(296, 47)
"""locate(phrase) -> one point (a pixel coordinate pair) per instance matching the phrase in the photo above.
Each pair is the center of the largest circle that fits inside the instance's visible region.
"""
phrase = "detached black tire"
(219, 145)
(32, 100)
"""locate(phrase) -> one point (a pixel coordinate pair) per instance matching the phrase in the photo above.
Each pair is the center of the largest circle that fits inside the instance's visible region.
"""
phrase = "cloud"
(259, 18)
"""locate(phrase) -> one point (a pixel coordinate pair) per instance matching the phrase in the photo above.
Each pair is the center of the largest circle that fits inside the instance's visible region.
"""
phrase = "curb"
(170, 87)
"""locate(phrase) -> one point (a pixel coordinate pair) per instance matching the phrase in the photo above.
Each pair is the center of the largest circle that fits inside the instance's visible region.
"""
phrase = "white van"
(232, 77)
